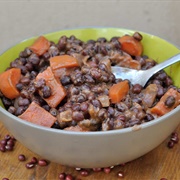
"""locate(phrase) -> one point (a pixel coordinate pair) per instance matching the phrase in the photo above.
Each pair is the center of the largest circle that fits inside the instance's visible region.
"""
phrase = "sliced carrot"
(57, 90)
(160, 108)
(37, 115)
(8, 81)
(40, 46)
(118, 91)
(130, 45)
(63, 61)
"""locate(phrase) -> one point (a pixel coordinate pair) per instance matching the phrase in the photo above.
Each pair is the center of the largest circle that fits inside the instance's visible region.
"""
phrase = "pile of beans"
(7, 143)
(85, 85)
(174, 139)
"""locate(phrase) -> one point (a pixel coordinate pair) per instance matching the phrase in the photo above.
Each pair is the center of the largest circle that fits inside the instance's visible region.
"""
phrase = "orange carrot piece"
(57, 90)
(118, 91)
(37, 115)
(63, 61)
(130, 45)
(160, 108)
(8, 82)
(40, 46)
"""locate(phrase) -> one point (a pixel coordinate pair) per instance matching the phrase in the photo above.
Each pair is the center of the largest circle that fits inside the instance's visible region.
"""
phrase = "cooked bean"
(137, 88)
(33, 74)
(162, 76)
(53, 112)
(12, 109)
(84, 106)
(160, 92)
(102, 114)
(19, 111)
(118, 124)
(34, 59)
(111, 111)
(103, 67)
(46, 91)
(91, 96)
(101, 40)
(89, 79)
(97, 89)
(29, 66)
(134, 122)
(77, 116)
(137, 36)
(76, 107)
(168, 81)
(24, 93)
(170, 101)
(65, 80)
(25, 80)
(121, 106)
(81, 98)
(149, 117)
(95, 73)
(19, 86)
(74, 91)
(23, 102)
(53, 51)
(96, 103)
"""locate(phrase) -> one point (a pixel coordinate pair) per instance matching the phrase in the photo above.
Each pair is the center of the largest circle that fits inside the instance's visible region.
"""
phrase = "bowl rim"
(91, 133)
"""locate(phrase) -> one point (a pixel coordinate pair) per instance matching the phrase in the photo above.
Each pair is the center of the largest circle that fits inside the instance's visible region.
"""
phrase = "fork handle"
(170, 61)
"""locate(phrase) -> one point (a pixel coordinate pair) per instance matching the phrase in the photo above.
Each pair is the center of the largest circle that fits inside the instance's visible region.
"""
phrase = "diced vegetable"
(63, 61)
(8, 81)
(63, 65)
(40, 46)
(37, 115)
(118, 91)
(149, 95)
(160, 108)
(57, 90)
(130, 45)
(104, 99)
(65, 116)
(125, 60)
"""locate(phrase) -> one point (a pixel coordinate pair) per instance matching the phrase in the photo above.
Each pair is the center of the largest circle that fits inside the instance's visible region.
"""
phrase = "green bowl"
(95, 149)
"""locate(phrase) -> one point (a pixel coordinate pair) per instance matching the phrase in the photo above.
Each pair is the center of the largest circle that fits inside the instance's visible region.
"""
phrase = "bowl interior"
(154, 47)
